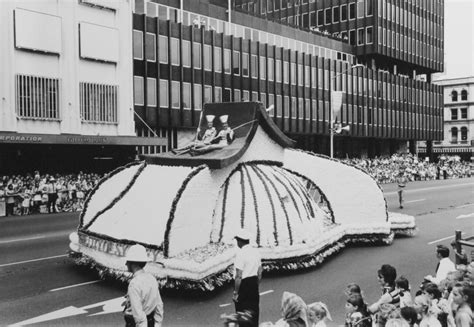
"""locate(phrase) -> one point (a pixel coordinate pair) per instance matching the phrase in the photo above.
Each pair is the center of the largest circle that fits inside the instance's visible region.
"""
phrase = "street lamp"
(337, 128)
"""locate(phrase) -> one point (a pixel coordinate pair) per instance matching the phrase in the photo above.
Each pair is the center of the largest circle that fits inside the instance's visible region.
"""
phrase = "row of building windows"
(454, 113)
(39, 98)
(343, 13)
(455, 133)
(454, 95)
(244, 32)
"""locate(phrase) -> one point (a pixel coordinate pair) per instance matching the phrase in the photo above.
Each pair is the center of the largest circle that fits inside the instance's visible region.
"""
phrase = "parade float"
(241, 171)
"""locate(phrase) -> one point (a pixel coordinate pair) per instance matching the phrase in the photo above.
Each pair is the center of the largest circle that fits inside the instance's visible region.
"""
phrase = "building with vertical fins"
(293, 54)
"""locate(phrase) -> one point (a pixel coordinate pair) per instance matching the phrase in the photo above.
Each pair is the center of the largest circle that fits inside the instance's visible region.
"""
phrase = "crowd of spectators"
(44, 193)
(443, 300)
(387, 169)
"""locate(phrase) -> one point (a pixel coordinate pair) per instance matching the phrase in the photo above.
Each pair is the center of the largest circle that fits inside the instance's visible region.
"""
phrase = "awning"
(20, 138)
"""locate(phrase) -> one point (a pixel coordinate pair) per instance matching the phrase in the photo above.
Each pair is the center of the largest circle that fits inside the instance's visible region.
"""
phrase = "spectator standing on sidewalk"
(52, 195)
(402, 183)
(445, 265)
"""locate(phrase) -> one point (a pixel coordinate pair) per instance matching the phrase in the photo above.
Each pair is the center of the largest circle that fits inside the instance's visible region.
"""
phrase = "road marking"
(76, 285)
(442, 239)
(262, 293)
(465, 216)
(430, 188)
(465, 205)
(266, 292)
(33, 260)
(23, 239)
(419, 200)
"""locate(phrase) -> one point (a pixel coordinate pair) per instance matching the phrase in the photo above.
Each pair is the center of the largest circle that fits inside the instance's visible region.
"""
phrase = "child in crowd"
(317, 314)
(422, 306)
(409, 315)
(463, 297)
(352, 288)
(403, 287)
(25, 204)
(356, 312)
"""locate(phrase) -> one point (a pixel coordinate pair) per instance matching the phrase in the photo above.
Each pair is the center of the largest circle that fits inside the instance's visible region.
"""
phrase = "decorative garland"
(303, 193)
(87, 233)
(252, 190)
(102, 180)
(118, 198)
(224, 200)
(279, 180)
(323, 156)
(242, 206)
(319, 190)
(174, 204)
(259, 173)
(283, 207)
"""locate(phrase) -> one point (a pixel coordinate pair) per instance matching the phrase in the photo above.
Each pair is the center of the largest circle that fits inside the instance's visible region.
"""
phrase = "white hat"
(137, 253)
(224, 118)
(210, 118)
(242, 234)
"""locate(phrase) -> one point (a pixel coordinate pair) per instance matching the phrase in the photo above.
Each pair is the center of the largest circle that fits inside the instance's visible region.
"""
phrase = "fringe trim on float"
(350, 165)
(103, 179)
(221, 278)
(405, 232)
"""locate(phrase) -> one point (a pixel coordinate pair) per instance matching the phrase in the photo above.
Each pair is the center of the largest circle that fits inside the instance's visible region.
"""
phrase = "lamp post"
(340, 128)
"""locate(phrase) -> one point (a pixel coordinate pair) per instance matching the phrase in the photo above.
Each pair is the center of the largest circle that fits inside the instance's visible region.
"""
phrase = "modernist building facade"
(458, 118)
(66, 86)
(293, 54)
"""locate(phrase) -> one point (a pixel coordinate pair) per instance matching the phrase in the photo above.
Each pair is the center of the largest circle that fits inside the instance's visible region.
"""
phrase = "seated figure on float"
(201, 140)
(223, 139)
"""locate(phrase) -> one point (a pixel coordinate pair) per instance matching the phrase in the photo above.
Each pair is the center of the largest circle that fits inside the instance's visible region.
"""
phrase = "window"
(254, 66)
(174, 51)
(227, 61)
(175, 95)
(254, 96)
(37, 97)
(227, 95)
(270, 69)
(217, 94)
(286, 72)
(237, 96)
(186, 95)
(163, 49)
(463, 113)
(286, 103)
(137, 45)
(150, 47)
(369, 36)
(236, 63)
(300, 75)
(217, 60)
(307, 76)
(98, 102)
(245, 64)
(197, 96)
(454, 96)
(151, 92)
(369, 6)
(207, 94)
(293, 107)
(293, 73)
(335, 14)
(454, 114)
(360, 36)
(207, 57)
(138, 91)
(163, 93)
(327, 16)
(197, 55)
(262, 68)
(245, 96)
(305, 20)
(352, 14)
(343, 13)
(320, 18)
(463, 133)
(352, 37)
(278, 70)
(454, 135)
(463, 95)
(360, 8)
(186, 48)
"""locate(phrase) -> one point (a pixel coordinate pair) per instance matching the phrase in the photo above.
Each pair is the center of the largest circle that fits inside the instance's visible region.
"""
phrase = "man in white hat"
(226, 134)
(247, 275)
(144, 307)
(201, 140)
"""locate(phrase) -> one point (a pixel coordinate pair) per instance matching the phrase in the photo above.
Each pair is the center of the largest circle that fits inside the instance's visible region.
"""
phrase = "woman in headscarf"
(293, 310)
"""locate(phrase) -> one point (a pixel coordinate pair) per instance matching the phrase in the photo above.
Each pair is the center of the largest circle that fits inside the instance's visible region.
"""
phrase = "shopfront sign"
(80, 139)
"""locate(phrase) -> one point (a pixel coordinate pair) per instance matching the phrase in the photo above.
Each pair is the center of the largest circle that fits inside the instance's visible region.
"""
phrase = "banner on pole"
(336, 101)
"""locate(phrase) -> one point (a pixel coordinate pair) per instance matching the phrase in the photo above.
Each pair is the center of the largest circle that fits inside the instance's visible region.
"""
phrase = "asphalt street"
(40, 286)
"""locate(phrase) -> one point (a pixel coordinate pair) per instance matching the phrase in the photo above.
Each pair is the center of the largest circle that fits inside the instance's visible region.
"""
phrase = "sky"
(459, 39)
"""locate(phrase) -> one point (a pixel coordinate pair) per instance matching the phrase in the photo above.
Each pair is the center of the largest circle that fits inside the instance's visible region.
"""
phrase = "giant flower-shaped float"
(185, 207)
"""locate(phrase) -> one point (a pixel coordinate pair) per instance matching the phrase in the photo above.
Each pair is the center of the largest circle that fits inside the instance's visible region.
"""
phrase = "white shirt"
(445, 267)
(248, 260)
